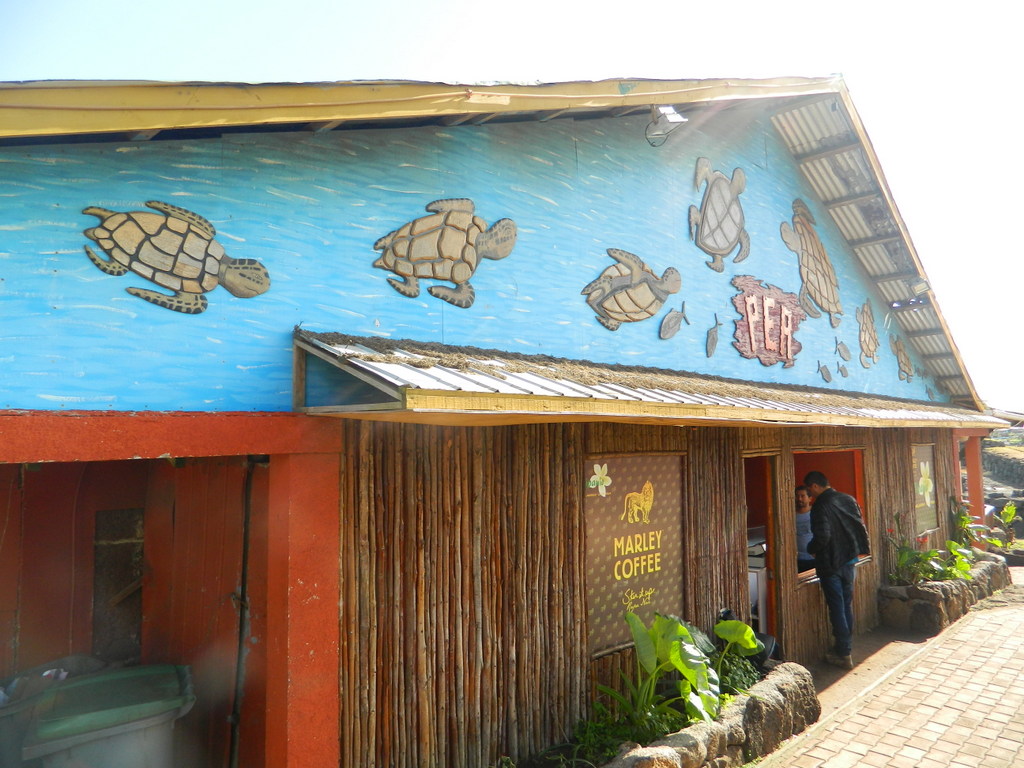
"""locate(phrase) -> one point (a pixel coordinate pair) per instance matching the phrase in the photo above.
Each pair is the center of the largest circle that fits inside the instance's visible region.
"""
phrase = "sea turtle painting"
(628, 291)
(899, 349)
(175, 249)
(717, 227)
(868, 336)
(445, 245)
(820, 285)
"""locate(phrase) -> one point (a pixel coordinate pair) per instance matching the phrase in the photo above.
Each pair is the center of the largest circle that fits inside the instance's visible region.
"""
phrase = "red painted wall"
(10, 564)
(759, 490)
(191, 595)
(303, 644)
(37, 436)
(844, 470)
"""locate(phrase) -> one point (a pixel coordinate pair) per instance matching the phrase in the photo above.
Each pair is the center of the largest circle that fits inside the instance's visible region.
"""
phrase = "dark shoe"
(845, 662)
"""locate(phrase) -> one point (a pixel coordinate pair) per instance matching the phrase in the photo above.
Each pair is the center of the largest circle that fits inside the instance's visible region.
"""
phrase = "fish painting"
(842, 350)
(673, 320)
(712, 341)
(826, 374)
(842, 370)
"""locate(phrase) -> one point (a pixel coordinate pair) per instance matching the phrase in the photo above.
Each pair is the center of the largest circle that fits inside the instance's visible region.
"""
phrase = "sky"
(934, 84)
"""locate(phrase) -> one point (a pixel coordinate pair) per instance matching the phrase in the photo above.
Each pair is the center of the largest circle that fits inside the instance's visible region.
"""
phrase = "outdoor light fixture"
(664, 120)
(920, 286)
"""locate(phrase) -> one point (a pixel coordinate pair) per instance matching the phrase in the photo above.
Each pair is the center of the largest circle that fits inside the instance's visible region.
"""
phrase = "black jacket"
(839, 532)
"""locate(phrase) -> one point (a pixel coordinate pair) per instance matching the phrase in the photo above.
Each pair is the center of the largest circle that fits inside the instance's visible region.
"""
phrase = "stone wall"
(1005, 465)
(751, 726)
(929, 607)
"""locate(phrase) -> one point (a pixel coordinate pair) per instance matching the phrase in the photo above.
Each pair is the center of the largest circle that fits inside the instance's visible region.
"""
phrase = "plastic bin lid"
(113, 698)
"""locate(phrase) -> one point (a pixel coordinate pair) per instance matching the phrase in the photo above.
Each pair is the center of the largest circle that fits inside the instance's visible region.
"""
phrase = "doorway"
(760, 486)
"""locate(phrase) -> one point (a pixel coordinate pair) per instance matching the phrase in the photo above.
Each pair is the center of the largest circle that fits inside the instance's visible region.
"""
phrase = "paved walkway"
(956, 702)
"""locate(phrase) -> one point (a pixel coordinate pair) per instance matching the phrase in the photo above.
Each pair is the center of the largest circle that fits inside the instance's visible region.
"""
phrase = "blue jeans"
(838, 590)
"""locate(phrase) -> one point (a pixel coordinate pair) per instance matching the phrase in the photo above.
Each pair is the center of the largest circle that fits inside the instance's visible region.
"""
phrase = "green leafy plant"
(595, 741)
(739, 639)
(735, 672)
(957, 563)
(667, 659)
(965, 531)
(1008, 516)
(914, 563)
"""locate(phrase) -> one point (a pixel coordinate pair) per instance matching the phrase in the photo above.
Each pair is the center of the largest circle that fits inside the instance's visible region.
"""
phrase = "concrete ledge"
(751, 726)
(931, 606)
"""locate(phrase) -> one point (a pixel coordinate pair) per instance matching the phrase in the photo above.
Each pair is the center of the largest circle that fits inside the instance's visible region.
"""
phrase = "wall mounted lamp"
(920, 286)
(664, 120)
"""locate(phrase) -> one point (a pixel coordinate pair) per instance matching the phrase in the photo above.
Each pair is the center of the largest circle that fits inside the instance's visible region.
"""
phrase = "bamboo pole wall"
(463, 611)
(464, 607)
(715, 528)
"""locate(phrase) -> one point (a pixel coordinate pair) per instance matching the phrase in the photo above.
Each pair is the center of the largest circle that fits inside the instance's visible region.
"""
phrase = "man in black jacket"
(839, 538)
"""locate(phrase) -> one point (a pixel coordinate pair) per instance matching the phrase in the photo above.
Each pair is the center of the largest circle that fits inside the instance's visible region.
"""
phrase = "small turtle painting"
(175, 249)
(446, 245)
(820, 285)
(717, 227)
(628, 291)
(902, 358)
(868, 335)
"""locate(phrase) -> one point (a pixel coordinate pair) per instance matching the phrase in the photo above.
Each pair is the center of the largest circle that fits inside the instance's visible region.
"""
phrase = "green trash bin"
(118, 719)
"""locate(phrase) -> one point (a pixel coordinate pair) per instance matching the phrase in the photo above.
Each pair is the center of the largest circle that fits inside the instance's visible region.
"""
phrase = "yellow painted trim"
(473, 408)
(55, 108)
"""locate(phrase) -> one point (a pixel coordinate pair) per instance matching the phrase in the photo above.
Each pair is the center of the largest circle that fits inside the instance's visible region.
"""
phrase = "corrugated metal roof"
(433, 378)
(827, 141)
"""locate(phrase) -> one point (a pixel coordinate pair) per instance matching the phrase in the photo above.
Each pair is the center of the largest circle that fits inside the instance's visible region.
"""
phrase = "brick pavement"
(958, 702)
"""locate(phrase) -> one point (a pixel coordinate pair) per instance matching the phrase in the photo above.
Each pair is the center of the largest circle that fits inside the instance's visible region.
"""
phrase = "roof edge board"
(74, 108)
(883, 185)
(424, 401)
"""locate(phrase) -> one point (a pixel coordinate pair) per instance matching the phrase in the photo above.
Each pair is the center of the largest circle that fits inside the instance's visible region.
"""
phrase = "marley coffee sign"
(633, 508)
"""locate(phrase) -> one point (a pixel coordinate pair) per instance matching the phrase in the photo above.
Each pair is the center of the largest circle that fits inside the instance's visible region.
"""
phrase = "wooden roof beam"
(923, 332)
(876, 240)
(890, 277)
(822, 154)
(456, 119)
(551, 115)
(865, 197)
(910, 305)
(324, 127)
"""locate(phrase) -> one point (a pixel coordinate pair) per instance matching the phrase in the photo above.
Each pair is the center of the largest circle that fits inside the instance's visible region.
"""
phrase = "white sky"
(934, 83)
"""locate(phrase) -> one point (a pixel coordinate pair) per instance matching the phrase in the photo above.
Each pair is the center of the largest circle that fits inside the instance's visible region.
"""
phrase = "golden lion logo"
(637, 506)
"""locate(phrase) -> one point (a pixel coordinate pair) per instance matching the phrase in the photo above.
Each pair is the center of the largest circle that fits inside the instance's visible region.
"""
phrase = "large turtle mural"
(446, 245)
(820, 285)
(175, 249)
(628, 291)
(717, 227)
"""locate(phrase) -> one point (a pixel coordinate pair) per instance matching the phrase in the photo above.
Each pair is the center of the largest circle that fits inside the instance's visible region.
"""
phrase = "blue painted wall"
(310, 207)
